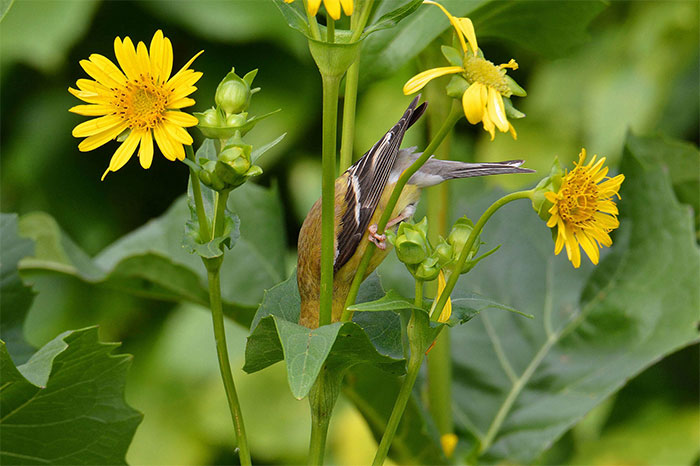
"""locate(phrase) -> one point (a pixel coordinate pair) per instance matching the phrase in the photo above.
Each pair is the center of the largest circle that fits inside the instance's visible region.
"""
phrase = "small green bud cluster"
(551, 182)
(425, 261)
(232, 167)
(232, 99)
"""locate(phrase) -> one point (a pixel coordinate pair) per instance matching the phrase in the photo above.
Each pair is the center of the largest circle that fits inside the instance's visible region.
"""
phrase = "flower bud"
(460, 234)
(428, 270)
(444, 253)
(209, 177)
(411, 247)
(550, 183)
(233, 92)
(236, 120)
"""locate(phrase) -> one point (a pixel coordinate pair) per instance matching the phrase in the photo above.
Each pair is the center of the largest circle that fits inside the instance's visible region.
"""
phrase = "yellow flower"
(483, 99)
(332, 7)
(140, 100)
(447, 309)
(584, 211)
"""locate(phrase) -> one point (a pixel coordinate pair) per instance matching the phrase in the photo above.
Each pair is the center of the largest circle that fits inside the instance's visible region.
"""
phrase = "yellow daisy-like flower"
(584, 211)
(140, 100)
(483, 100)
(332, 7)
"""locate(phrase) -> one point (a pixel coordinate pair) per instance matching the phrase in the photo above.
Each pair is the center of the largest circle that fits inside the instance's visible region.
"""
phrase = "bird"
(361, 195)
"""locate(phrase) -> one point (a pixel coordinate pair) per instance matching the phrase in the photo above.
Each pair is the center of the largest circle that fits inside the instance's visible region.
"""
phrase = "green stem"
(313, 24)
(349, 107)
(452, 281)
(213, 268)
(322, 398)
(439, 383)
(450, 121)
(414, 364)
(330, 121)
(358, 21)
(197, 194)
(418, 300)
(220, 213)
(330, 29)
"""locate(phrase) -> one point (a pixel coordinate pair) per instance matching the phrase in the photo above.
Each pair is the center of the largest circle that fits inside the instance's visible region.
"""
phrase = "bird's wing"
(367, 179)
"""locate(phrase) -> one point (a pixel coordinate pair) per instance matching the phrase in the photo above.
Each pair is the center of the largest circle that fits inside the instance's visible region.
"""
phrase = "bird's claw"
(378, 240)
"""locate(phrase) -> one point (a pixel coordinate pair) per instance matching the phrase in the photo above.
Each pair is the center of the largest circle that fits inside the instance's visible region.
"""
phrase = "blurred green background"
(639, 71)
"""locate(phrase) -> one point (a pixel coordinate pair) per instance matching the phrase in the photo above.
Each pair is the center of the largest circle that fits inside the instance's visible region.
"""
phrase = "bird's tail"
(452, 169)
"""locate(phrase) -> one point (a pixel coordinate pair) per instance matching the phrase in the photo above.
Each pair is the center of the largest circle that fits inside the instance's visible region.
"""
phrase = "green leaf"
(15, 296)
(5, 6)
(66, 404)
(276, 336)
(294, 17)
(216, 246)
(391, 301)
(30, 33)
(521, 384)
(151, 262)
(255, 155)
(561, 26)
(393, 17)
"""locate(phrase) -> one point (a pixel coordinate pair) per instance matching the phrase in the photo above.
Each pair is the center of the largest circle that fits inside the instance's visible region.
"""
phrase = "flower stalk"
(450, 121)
(197, 194)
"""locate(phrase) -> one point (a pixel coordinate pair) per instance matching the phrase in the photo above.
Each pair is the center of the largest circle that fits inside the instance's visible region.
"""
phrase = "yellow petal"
(92, 110)
(512, 131)
(178, 75)
(447, 310)
(186, 79)
(177, 133)
(347, 6)
(142, 60)
(497, 111)
(488, 125)
(559, 244)
(181, 119)
(454, 22)
(589, 248)
(473, 104)
(98, 74)
(448, 442)
(417, 82)
(88, 85)
(99, 139)
(333, 8)
(467, 28)
(126, 56)
(167, 146)
(123, 153)
(161, 53)
(180, 92)
(96, 125)
(182, 103)
(108, 67)
(146, 149)
(313, 6)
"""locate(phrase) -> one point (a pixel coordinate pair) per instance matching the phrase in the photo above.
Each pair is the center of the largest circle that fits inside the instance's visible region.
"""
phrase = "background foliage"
(635, 67)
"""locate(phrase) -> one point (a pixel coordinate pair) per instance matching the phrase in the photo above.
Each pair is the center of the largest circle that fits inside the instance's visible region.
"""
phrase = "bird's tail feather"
(466, 170)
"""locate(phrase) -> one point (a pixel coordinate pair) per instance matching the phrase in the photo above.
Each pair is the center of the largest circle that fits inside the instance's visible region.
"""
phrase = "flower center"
(480, 70)
(141, 103)
(579, 200)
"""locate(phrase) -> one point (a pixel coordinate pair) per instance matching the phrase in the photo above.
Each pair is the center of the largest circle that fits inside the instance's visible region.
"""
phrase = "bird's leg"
(379, 240)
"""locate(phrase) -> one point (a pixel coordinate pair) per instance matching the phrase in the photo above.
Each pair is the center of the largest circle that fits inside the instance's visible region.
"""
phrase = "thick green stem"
(418, 300)
(330, 29)
(197, 194)
(349, 106)
(322, 400)
(439, 383)
(409, 381)
(330, 121)
(220, 213)
(213, 268)
(450, 121)
(452, 281)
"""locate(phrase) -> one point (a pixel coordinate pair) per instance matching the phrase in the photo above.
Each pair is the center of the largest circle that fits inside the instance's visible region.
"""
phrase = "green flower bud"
(550, 183)
(444, 253)
(233, 92)
(411, 247)
(236, 120)
(460, 234)
(209, 177)
(428, 270)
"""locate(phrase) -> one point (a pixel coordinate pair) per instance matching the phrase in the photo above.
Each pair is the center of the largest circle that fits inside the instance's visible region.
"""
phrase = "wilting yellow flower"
(483, 99)
(332, 7)
(584, 211)
(447, 309)
(140, 100)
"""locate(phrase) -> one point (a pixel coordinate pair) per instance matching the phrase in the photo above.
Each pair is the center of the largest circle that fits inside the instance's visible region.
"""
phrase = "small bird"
(361, 195)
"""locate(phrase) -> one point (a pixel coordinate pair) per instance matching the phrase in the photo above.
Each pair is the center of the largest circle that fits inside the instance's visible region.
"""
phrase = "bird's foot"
(378, 240)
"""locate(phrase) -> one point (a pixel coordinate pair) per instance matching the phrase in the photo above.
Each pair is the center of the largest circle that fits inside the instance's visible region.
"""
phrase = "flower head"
(486, 84)
(140, 101)
(332, 7)
(583, 209)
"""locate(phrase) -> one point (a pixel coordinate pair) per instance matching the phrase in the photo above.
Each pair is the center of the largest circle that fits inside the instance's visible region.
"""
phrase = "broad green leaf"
(391, 301)
(560, 26)
(66, 404)
(30, 33)
(5, 6)
(15, 296)
(151, 261)
(520, 384)
(393, 17)
(276, 336)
